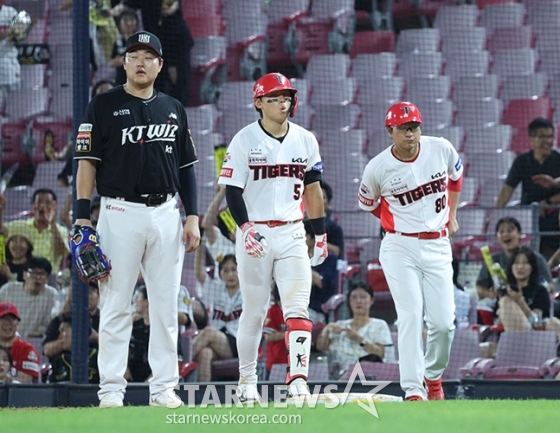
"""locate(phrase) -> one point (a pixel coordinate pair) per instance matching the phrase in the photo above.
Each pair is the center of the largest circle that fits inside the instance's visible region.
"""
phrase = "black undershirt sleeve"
(187, 190)
(236, 204)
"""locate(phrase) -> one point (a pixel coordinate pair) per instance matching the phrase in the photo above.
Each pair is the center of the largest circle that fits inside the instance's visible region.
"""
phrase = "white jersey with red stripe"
(411, 196)
(271, 173)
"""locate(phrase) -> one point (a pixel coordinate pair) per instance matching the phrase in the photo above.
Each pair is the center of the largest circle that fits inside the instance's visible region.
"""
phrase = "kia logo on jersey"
(148, 133)
(437, 175)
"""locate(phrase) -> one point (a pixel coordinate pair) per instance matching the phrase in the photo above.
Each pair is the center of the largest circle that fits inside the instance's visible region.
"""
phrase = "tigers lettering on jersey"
(261, 172)
(433, 187)
(147, 133)
(221, 315)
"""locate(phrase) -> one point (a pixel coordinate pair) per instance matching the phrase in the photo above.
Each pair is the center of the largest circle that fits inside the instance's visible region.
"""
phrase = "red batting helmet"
(402, 112)
(275, 82)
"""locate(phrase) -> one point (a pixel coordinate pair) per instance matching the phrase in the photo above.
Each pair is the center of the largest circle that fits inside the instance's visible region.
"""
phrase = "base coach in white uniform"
(413, 186)
(134, 143)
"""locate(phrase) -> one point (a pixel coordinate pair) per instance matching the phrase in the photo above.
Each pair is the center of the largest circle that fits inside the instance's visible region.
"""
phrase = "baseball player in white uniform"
(414, 187)
(271, 170)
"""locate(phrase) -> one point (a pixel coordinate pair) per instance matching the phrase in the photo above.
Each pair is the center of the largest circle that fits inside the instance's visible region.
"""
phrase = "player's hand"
(320, 251)
(255, 243)
(191, 233)
(452, 227)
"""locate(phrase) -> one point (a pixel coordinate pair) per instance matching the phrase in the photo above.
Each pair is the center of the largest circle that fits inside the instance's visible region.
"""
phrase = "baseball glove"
(91, 264)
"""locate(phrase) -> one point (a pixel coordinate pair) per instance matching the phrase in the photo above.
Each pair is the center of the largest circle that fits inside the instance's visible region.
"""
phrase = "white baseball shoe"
(247, 390)
(298, 388)
(166, 399)
(112, 399)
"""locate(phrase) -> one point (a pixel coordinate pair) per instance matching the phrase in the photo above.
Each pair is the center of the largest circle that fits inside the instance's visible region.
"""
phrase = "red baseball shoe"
(435, 390)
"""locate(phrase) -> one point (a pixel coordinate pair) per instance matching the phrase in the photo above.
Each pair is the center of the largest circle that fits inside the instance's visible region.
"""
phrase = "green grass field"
(479, 416)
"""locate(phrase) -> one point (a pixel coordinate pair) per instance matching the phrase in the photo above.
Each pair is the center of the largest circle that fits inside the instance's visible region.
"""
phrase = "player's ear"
(160, 64)
(389, 130)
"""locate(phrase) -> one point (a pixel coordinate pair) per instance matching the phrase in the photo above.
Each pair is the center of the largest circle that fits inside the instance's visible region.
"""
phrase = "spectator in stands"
(34, 298)
(5, 365)
(25, 359)
(361, 338)
(324, 278)
(526, 168)
(19, 250)
(526, 303)
(128, 25)
(508, 232)
(223, 301)
(274, 331)
(10, 69)
(61, 362)
(49, 238)
(165, 20)
(335, 237)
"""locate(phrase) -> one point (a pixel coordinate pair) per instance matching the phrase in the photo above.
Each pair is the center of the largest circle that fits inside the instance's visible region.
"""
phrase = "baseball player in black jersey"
(134, 145)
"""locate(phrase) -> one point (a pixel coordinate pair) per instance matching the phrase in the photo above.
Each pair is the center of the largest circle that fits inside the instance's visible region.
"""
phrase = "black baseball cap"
(145, 40)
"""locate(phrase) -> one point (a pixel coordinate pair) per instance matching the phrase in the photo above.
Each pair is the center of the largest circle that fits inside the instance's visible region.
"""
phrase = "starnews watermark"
(277, 396)
(232, 418)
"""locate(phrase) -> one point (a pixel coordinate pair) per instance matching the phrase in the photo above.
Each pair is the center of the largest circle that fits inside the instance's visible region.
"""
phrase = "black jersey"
(141, 143)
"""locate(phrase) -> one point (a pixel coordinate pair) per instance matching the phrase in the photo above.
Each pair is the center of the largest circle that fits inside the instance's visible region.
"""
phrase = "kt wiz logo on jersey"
(147, 133)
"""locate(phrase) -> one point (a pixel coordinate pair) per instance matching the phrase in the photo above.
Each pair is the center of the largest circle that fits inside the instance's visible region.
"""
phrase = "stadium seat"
(543, 14)
(328, 66)
(519, 356)
(455, 134)
(490, 164)
(463, 349)
(508, 38)
(236, 93)
(420, 65)
(334, 91)
(282, 15)
(347, 142)
(488, 139)
(208, 60)
(549, 61)
(378, 141)
(11, 134)
(17, 201)
(239, 118)
(469, 192)
(547, 36)
(304, 116)
(490, 187)
(476, 87)
(43, 131)
(200, 8)
(520, 112)
(225, 369)
(373, 116)
(417, 40)
(498, 16)
(204, 26)
(25, 104)
(514, 62)
(336, 117)
(435, 88)
(461, 41)
(372, 42)
(526, 86)
(471, 63)
(436, 114)
(451, 18)
(62, 104)
(479, 113)
(388, 89)
(368, 66)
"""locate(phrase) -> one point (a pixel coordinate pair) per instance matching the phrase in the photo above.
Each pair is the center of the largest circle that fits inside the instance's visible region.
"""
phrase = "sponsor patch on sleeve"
(83, 142)
(318, 167)
(365, 201)
(85, 127)
(226, 172)
(458, 164)
(30, 366)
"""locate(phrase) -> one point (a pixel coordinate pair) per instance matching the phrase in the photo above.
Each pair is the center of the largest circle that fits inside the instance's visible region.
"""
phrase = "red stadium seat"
(372, 42)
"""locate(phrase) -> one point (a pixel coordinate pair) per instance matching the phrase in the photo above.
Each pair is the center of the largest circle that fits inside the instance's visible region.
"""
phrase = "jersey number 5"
(297, 191)
(441, 203)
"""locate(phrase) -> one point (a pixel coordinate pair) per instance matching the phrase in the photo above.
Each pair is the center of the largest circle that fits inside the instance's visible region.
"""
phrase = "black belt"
(150, 200)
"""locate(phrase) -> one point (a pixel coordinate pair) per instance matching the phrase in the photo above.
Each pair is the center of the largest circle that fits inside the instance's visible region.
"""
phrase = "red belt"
(276, 223)
(422, 235)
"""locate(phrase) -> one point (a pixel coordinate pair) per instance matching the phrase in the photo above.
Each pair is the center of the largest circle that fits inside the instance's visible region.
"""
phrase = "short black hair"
(534, 278)
(43, 191)
(66, 317)
(539, 123)
(29, 253)
(225, 259)
(99, 84)
(39, 263)
(129, 13)
(328, 190)
(356, 283)
(508, 220)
